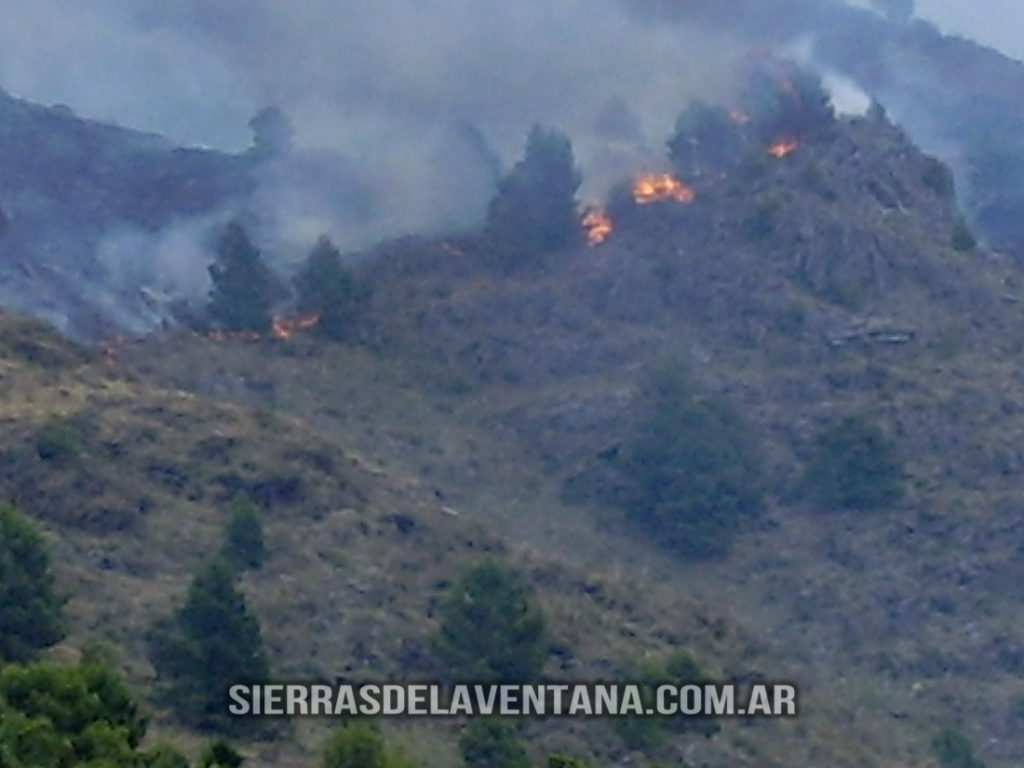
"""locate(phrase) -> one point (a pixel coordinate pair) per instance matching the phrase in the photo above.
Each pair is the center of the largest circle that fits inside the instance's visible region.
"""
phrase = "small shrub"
(491, 627)
(359, 745)
(954, 749)
(57, 440)
(220, 754)
(492, 743)
(854, 466)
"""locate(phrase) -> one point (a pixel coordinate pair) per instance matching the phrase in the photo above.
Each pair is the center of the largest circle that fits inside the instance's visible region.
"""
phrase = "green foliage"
(646, 733)
(212, 642)
(243, 536)
(58, 439)
(954, 749)
(243, 286)
(694, 470)
(359, 745)
(30, 606)
(66, 717)
(164, 756)
(492, 743)
(491, 627)
(534, 210)
(220, 754)
(854, 466)
(565, 761)
(787, 102)
(706, 142)
(325, 287)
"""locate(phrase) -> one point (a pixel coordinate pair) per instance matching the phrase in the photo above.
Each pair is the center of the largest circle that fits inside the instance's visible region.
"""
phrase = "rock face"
(66, 184)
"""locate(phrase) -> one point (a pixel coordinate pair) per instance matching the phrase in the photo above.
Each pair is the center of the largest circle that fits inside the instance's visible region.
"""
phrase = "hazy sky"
(392, 84)
(999, 23)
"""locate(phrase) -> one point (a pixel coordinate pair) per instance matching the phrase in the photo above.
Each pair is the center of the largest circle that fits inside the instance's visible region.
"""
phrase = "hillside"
(358, 558)
(835, 280)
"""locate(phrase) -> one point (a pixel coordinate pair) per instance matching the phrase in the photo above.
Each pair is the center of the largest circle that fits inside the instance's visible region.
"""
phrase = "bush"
(694, 473)
(58, 439)
(359, 745)
(645, 733)
(491, 627)
(243, 536)
(220, 754)
(212, 642)
(954, 749)
(64, 717)
(492, 743)
(30, 606)
(854, 466)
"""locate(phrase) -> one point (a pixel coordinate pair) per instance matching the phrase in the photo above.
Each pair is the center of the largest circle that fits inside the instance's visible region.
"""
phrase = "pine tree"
(535, 209)
(706, 142)
(491, 627)
(243, 286)
(243, 537)
(325, 287)
(212, 642)
(30, 606)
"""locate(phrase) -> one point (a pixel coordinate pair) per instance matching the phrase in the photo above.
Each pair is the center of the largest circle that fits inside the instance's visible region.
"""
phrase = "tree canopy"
(325, 287)
(491, 627)
(694, 468)
(243, 286)
(535, 210)
(210, 643)
(30, 605)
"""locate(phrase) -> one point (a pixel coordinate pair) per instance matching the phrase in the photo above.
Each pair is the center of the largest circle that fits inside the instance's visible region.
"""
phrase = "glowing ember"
(280, 328)
(783, 147)
(652, 188)
(286, 327)
(597, 225)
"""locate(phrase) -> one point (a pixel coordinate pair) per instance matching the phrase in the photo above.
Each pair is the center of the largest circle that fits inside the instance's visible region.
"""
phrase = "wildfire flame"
(286, 327)
(280, 328)
(783, 147)
(597, 225)
(651, 188)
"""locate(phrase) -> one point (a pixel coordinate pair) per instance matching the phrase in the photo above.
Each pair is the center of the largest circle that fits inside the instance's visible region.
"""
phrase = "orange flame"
(783, 147)
(280, 328)
(286, 327)
(651, 188)
(598, 226)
